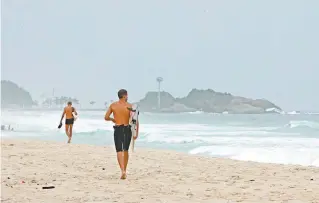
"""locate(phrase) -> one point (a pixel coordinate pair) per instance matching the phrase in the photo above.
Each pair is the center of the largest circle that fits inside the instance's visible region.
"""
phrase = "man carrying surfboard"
(69, 120)
(122, 128)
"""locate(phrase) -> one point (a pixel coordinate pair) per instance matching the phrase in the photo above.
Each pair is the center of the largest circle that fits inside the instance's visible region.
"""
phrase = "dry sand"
(83, 173)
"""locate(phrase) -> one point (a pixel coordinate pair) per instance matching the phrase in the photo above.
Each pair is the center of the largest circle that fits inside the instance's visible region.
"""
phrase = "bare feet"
(123, 177)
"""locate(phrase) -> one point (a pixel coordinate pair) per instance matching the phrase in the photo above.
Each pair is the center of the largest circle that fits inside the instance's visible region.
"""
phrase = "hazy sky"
(91, 48)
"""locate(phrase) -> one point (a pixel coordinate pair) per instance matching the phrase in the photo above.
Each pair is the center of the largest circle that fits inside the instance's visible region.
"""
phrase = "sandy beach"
(83, 173)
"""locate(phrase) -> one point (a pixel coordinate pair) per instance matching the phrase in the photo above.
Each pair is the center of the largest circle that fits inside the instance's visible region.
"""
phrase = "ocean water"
(276, 138)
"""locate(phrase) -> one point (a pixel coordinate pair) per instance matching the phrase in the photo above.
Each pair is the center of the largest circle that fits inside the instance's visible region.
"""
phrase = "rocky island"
(207, 101)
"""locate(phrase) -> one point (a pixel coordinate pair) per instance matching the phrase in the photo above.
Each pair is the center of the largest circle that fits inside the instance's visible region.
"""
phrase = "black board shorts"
(69, 121)
(122, 137)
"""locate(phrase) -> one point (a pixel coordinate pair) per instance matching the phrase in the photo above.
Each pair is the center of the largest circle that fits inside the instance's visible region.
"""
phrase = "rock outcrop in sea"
(207, 101)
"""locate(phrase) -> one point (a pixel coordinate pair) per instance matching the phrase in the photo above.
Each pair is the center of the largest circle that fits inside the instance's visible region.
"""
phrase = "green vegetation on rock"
(206, 101)
(13, 96)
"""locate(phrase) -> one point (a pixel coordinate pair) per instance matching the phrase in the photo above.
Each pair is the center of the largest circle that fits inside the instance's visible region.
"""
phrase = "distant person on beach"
(69, 119)
(9, 128)
(122, 129)
(3, 127)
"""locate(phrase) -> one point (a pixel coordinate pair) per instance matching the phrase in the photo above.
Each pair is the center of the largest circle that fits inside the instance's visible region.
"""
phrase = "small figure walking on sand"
(69, 120)
(122, 129)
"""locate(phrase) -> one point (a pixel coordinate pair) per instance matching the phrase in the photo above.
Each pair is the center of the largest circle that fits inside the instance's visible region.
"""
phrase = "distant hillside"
(206, 101)
(14, 96)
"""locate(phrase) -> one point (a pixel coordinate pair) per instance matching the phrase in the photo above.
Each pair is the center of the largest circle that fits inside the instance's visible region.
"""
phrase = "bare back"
(121, 112)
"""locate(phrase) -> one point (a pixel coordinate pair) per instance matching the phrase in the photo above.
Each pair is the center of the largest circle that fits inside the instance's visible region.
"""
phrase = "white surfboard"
(73, 113)
(133, 122)
(75, 116)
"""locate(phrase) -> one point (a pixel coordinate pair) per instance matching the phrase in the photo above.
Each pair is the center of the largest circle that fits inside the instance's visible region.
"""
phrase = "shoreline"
(154, 111)
(89, 173)
(156, 148)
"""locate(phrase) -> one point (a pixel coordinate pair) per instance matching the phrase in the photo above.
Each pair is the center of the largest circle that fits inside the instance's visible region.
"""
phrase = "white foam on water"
(30, 121)
(241, 143)
(203, 128)
(293, 112)
(312, 113)
(190, 133)
(83, 125)
(5, 134)
(235, 139)
(275, 110)
(303, 123)
(303, 155)
(48, 121)
(230, 140)
(196, 112)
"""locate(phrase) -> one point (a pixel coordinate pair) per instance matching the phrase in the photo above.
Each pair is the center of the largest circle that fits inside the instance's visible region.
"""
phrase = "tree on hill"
(14, 96)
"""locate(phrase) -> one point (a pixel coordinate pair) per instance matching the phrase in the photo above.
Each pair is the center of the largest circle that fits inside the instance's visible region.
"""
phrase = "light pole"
(159, 80)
